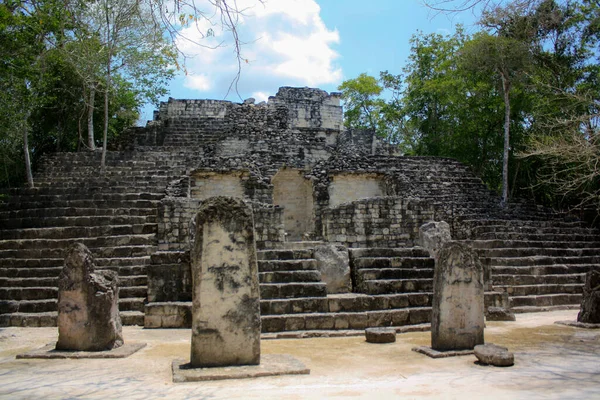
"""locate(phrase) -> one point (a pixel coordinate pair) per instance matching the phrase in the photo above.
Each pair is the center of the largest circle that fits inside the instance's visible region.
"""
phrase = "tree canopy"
(517, 101)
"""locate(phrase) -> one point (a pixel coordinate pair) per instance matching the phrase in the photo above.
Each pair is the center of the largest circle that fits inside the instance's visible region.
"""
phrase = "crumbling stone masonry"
(309, 182)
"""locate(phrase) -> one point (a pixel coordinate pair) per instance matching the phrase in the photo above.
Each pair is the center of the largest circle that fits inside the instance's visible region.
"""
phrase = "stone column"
(226, 296)
(457, 320)
(88, 304)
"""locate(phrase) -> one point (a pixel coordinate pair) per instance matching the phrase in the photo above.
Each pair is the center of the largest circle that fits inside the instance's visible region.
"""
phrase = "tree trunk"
(27, 159)
(506, 90)
(107, 89)
(90, 120)
(105, 131)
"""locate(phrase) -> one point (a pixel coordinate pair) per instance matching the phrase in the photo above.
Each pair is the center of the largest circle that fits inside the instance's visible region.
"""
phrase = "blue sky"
(307, 43)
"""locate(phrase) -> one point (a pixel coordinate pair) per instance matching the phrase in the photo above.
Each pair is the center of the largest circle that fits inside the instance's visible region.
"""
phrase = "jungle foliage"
(517, 101)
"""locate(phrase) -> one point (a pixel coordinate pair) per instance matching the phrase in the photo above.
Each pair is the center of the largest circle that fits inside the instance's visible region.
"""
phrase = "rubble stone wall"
(176, 213)
(377, 222)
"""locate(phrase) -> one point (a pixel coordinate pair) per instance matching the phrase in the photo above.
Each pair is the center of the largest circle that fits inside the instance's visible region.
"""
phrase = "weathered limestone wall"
(349, 187)
(377, 222)
(293, 192)
(310, 108)
(175, 214)
(194, 109)
(208, 184)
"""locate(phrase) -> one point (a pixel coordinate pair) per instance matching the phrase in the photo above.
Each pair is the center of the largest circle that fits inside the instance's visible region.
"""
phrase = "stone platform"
(270, 365)
(49, 352)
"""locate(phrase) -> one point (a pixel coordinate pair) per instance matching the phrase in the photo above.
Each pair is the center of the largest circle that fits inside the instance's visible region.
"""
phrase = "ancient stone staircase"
(113, 213)
(541, 263)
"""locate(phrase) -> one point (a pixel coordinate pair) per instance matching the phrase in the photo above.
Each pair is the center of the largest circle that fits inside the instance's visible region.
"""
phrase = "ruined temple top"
(306, 108)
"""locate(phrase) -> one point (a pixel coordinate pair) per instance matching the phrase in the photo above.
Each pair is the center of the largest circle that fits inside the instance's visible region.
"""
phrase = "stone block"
(334, 264)
(458, 306)
(226, 302)
(590, 301)
(380, 335)
(490, 354)
(433, 235)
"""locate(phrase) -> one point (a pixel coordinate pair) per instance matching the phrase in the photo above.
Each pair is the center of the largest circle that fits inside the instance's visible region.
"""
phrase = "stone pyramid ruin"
(311, 183)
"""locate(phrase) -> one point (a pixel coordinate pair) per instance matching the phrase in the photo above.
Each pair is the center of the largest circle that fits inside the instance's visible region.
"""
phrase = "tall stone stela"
(88, 304)
(457, 321)
(226, 297)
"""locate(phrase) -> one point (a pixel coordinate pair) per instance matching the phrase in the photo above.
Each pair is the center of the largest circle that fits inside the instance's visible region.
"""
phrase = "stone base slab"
(270, 365)
(49, 351)
(578, 324)
(428, 351)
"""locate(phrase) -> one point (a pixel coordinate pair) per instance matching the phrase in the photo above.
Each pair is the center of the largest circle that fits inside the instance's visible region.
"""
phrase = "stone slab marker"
(226, 296)
(590, 302)
(457, 320)
(88, 310)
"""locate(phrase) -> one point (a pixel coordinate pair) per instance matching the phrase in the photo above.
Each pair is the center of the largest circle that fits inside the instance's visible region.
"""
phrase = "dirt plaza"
(551, 362)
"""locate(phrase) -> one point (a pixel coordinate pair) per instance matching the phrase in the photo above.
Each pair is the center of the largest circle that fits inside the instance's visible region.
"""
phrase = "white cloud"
(198, 82)
(286, 44)
(260, 96)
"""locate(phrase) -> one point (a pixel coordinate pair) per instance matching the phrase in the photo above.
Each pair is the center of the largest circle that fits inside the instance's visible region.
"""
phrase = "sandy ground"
(551, 362)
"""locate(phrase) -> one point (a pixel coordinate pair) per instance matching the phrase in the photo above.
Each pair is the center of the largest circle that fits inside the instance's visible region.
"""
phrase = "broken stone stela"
(458, 303)
(88, 311)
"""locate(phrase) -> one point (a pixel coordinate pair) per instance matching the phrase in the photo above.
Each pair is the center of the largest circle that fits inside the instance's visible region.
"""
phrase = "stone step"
(290, 290)
(535, 230)
(47, 305)
(28, 282)
(100, 252)
(298, 254)
(377, 252)
(75, 232)
(350, 302)
(345, 320)
(90, 242)
(539, 260)
(303, 245)
(289, 276)
(498, 244)
(107, 263)
(27, 306)
(51, 222)
(545, 300)
(539, 238)
(516, 280)
(384, 286)
(541, 289)
(35, 204)
(392, 262)
(28, 293)
(75, 211)
(555, 269)
(534, 251)
(48, 272)
(45, 194)
(29, 320)
(133, 291)
(132, 304)
(287, 265)
(535, 309)
(395, 273)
